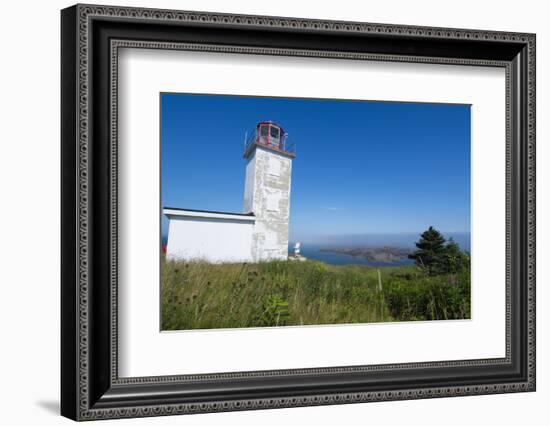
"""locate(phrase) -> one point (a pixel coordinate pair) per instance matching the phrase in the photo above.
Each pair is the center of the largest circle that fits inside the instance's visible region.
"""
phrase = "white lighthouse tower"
(260, 232)
(267, 190)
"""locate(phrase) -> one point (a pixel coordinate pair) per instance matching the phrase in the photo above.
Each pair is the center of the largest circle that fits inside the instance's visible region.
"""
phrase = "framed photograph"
(263, 212)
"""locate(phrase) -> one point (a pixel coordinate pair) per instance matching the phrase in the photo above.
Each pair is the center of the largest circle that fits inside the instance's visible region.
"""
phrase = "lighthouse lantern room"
(268, 134)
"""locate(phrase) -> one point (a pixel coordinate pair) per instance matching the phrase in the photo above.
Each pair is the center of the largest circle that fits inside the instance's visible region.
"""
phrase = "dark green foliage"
(436, 256)
(454, 260)
(430, 251)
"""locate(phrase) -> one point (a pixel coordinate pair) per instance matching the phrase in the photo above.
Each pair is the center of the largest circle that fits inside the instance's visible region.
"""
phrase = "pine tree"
(431, 252)
(455, 259)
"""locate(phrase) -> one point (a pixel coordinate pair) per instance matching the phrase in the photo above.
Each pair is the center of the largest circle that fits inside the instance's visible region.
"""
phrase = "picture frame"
(90, 384)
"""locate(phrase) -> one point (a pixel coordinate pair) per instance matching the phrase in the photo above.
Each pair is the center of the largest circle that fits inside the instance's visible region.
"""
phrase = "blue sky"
(361, 167)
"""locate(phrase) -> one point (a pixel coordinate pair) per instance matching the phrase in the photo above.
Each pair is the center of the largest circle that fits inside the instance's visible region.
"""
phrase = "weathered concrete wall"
(249, 185)
(210, 237)
(267, 195)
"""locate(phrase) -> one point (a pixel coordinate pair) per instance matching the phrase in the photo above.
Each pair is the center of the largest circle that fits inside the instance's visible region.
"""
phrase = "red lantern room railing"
(269, 135)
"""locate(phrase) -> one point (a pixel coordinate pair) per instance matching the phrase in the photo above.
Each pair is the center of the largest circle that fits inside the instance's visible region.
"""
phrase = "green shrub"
(274, 311)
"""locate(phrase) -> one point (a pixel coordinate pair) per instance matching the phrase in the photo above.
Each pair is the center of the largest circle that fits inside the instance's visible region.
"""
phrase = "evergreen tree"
(431, 252)
(455, 260)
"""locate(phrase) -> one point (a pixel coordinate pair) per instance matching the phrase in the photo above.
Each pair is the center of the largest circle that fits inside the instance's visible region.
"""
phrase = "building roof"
(210, 214)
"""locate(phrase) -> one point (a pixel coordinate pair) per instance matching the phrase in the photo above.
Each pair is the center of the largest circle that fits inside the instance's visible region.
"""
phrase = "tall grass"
(199, 295)
(417, 296)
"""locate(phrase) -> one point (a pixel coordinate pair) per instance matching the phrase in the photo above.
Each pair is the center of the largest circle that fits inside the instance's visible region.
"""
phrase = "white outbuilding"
(257, 234)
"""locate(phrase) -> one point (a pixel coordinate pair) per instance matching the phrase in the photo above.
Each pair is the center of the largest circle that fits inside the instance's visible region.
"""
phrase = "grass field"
(201, 295)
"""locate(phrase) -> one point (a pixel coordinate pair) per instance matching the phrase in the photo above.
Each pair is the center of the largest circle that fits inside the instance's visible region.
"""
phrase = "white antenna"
(245, 137)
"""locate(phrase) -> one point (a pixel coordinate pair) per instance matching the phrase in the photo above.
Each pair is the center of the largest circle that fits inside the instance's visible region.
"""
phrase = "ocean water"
(314, 250)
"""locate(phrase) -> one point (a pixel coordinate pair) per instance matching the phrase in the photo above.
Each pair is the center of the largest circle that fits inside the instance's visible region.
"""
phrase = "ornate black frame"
(91, 37)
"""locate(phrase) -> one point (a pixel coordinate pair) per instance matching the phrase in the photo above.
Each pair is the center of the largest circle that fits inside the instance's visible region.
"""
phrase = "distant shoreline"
(384, 254)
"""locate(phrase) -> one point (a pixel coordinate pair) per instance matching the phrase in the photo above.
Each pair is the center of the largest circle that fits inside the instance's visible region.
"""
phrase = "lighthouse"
(258, 233)
(267, 189)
